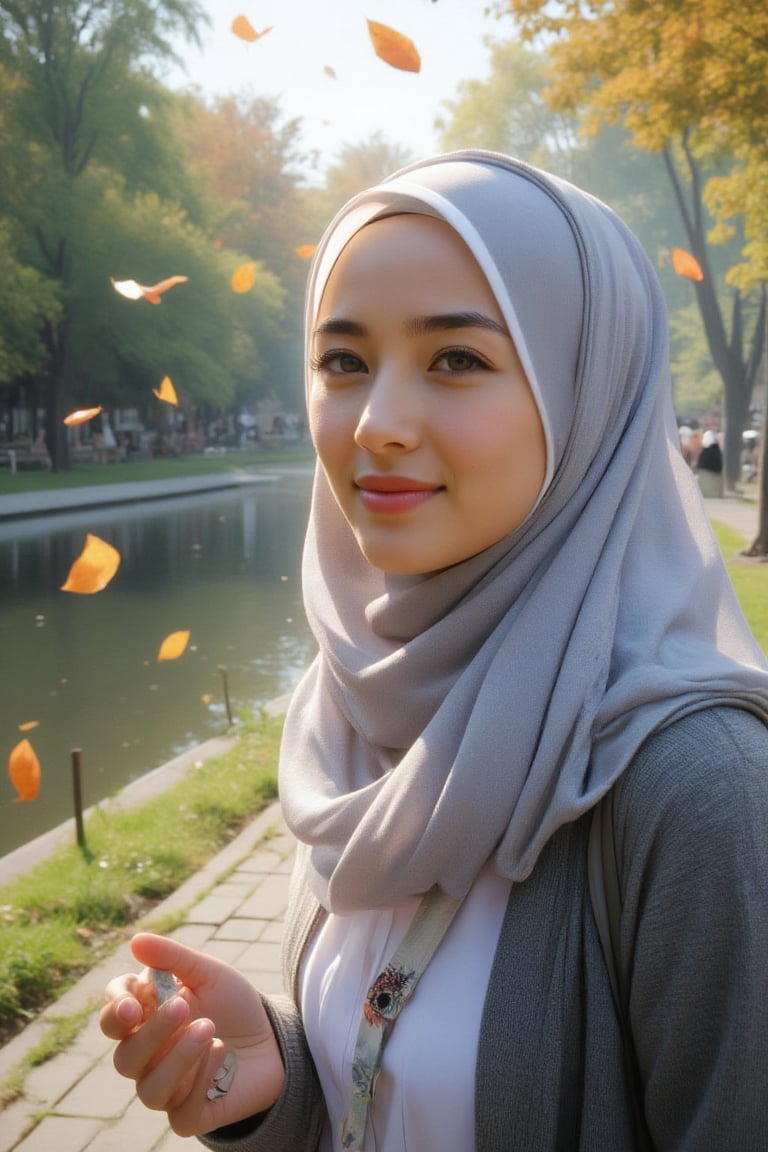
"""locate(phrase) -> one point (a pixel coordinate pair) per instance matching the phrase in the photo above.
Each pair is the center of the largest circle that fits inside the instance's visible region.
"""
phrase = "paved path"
(76, 1101)
(47, 501)
(739, 514)
(234, 909)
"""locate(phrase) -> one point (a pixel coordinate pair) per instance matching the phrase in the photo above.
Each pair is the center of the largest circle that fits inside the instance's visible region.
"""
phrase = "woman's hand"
(174, 1051)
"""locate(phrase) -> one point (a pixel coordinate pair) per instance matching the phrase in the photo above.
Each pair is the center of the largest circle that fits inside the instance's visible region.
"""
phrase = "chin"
(392, 564)
(401, 565)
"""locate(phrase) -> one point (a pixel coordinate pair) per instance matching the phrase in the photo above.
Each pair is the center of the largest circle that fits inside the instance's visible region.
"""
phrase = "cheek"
(331, 430)
(319, 418)
(505, 450)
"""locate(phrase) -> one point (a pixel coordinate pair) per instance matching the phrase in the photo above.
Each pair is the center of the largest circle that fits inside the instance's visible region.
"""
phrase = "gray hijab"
(463, 716)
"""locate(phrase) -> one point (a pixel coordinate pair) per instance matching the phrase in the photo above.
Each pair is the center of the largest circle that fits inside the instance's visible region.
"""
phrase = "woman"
(519, 605)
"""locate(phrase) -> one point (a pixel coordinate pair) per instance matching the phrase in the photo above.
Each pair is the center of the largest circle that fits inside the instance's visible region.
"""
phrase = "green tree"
(27, 302)
(507, 112)
(77, 63)
(208, 339)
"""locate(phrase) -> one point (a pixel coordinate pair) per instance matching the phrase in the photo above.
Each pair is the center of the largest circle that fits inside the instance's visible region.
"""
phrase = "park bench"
(19, 456)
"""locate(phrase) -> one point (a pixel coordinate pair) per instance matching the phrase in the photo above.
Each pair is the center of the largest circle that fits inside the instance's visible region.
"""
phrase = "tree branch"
(677, 189)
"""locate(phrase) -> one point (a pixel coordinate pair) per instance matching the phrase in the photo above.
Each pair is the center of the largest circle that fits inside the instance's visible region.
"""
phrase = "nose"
(389, 421)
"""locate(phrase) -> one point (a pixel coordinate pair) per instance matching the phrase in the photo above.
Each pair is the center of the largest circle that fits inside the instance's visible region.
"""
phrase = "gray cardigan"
(691, 831)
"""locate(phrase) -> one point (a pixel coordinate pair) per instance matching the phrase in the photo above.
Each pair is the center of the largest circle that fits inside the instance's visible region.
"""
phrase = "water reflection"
(225, 565)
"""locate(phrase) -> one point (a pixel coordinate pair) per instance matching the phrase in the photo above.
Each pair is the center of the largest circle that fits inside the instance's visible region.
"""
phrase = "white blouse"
(425, 1091)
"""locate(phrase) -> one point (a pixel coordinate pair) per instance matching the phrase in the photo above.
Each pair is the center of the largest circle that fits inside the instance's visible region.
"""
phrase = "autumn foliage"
(94, 568)
(393, 47)
(24, 771)
(665, 69)
(173, 646)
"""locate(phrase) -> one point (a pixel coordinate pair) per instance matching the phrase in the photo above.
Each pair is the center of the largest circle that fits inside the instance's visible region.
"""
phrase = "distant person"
(519, 608)
(709, 465)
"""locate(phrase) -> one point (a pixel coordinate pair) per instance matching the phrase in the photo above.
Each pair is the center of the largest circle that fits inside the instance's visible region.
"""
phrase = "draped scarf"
(462, 716)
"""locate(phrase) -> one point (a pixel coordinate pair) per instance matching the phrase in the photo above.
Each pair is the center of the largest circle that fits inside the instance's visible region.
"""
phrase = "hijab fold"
(464, 715)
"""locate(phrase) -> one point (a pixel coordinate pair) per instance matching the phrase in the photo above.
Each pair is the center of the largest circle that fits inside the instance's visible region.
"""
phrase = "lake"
(225, 565)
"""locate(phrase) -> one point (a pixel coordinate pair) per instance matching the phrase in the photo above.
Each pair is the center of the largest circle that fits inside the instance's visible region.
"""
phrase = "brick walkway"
(76, 1101)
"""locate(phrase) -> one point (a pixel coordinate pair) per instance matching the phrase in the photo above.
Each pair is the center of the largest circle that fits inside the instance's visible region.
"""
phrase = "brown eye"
(459, 360)
(337, 363)
(349, 363)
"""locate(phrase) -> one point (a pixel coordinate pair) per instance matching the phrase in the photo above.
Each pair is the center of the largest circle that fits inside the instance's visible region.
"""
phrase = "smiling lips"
(390, 495)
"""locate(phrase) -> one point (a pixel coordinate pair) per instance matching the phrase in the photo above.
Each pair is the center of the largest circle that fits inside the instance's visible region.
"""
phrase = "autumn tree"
(246, 161)
(80, 102)
(506, 111)
(689, 80)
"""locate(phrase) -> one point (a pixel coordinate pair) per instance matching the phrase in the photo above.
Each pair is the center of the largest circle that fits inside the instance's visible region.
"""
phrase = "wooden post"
(225, 680)
(78, 796)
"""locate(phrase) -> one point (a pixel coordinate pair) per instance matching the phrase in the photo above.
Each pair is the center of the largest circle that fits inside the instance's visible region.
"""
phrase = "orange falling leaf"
(306, 251)
(81, 416)
(28, 725)
(244, 277)
(330, 72)
(242, 27)
(24, 771)
(94, 567)
(173, 646)
(686, 265)
(166, 392)
(206, 699)
(133, 291)
(394, 48)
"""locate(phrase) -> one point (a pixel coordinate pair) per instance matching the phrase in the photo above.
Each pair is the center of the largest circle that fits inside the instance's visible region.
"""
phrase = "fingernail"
(174, 1010)
(201, 1031)
(128, 1011)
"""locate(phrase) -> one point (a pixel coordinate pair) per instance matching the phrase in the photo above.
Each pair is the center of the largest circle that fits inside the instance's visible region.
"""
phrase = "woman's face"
(422, 416)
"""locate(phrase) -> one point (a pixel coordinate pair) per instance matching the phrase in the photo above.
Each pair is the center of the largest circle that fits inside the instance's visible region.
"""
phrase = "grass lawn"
(750, 579)
(86, 475)
(71, 910)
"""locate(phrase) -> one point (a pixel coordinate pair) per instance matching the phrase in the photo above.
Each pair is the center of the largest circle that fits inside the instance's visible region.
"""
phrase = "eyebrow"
(340, 326)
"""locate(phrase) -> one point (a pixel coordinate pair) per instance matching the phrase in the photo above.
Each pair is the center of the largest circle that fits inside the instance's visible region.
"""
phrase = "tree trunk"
(56, 436)
(759, 546)
(737, 394)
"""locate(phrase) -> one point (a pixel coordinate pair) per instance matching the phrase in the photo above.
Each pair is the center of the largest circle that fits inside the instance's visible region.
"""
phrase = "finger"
(128, 1002)
(192, 1111)
(193, 968)
(168, 1085)
(119, 985)
(143, 1047)
(120, 1017)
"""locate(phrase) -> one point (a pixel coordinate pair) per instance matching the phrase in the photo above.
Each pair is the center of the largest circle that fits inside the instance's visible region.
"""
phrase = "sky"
(367, 95)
